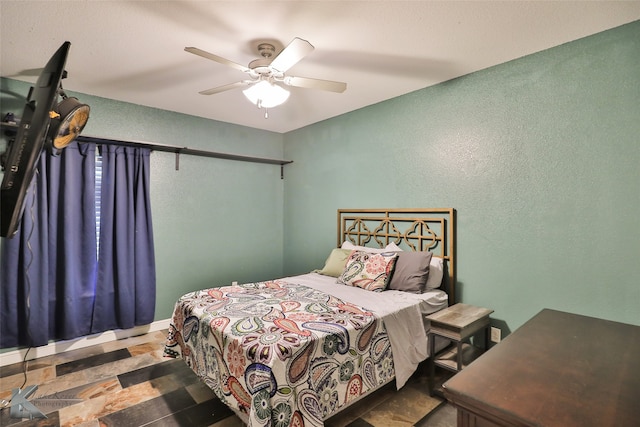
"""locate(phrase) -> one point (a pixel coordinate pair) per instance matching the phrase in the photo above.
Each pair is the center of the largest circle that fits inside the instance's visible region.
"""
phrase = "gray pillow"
(411, 272)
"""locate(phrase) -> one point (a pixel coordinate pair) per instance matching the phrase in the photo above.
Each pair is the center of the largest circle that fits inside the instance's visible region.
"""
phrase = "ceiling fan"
(265, 75)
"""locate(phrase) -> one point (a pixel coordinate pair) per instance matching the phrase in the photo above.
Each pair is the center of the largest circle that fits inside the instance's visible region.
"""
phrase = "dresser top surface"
(558, 369)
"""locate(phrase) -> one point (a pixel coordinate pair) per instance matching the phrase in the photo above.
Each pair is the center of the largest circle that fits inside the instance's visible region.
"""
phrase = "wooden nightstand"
(457, 323)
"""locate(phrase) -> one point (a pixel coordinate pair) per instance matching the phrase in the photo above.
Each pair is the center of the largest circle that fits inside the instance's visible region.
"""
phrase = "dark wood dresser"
(558, 369)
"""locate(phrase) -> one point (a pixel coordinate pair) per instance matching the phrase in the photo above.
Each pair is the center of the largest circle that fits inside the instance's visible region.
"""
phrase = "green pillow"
(334, 265)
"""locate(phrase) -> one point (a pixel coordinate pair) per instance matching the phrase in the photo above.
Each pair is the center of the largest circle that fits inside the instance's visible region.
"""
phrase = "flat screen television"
(24, 152)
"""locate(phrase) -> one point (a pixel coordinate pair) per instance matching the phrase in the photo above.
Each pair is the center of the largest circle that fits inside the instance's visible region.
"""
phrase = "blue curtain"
(126, 283)
(48, 267)
(53, 284)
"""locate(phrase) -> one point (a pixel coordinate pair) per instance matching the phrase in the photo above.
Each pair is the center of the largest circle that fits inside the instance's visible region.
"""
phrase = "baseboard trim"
(15, 356)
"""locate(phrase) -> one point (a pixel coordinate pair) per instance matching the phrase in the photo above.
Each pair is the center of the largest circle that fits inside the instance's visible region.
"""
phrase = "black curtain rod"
(182, 150)
(169, 148)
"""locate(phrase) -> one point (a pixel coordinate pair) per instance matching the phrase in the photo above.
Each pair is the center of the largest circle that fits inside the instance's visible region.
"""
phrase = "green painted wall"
(540, 156)
(214, 220)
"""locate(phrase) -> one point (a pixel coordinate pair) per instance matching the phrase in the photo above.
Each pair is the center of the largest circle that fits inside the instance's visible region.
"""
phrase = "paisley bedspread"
(284, 354)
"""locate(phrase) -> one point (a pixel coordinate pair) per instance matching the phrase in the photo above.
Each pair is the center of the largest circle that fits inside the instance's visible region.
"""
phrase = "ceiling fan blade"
(216, 58)
(226, 87)
(291, 55)
(308, 83)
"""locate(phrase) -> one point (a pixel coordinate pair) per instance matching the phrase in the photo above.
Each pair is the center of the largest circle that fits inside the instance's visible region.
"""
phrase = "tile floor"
(129, 383)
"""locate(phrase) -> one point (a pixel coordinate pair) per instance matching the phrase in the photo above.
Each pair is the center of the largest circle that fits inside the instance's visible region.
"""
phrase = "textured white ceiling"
(134, 50)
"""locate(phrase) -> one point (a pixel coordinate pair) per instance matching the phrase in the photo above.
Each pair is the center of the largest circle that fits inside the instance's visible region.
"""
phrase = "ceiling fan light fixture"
(266, 94)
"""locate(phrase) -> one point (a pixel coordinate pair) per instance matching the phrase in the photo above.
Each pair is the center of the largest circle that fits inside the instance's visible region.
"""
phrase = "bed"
(295, 351)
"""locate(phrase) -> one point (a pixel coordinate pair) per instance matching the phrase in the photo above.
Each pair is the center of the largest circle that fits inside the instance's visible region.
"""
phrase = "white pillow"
(436, 271)
(393, 247)
(389, 248)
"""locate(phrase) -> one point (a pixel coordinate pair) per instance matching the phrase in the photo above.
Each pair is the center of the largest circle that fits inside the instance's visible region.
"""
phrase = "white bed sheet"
(404, 317)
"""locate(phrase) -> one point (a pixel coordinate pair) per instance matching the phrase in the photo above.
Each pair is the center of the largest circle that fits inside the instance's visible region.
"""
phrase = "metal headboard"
(411, 229)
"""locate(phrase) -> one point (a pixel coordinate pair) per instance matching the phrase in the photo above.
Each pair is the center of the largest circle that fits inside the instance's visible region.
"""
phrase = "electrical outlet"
(234, 283)
(495, 334)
